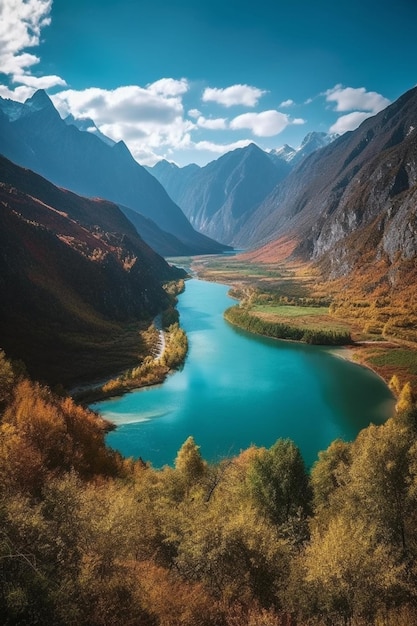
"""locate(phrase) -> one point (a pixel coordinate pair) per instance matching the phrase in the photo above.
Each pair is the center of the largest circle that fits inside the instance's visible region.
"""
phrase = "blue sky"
(188, 80)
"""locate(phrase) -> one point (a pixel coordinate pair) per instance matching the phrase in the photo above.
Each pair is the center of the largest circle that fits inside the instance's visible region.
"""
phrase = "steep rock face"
(34, 136)
(73, 272)
(218, 198)
(381, 198)
(353, 196)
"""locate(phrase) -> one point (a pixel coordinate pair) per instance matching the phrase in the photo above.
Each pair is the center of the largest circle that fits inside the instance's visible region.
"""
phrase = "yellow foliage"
(405, 400)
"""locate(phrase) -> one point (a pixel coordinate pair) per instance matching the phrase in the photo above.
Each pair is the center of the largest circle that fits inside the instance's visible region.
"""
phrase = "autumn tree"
(7, 378)
(329, 473)
(279, 484)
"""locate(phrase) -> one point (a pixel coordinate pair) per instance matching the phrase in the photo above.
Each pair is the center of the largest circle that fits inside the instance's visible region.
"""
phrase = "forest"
(91, 538)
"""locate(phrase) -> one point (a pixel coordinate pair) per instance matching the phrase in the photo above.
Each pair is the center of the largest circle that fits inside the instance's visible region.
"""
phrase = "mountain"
(76, 279)
(173, 178)
(285, 153)
(34, 136)
(218, 198)
(312, 141)
(87, 125)
(352, 202)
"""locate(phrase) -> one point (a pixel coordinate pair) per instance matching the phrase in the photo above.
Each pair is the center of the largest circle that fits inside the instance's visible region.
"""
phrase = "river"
(237, 389)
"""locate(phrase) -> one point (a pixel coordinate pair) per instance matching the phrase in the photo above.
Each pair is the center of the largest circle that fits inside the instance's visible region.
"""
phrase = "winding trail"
(161, 343)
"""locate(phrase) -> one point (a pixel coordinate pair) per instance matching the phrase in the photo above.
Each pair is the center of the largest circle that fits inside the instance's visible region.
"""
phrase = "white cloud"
(286, 103)
(149, 119)
(129, 104)
(194, 113)
(351, 99)
(21, 23)
(361, 104)
(350, 121)
(244, 95)
(219, 123)
(265, 124)
(19, 94)
(298, 120)
(39, 82)
(169, 87)
(219, 148)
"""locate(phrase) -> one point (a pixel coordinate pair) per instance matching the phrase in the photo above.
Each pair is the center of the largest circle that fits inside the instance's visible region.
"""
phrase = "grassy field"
(278, 293)
(286, 310)
(308, 317)
(395, 359)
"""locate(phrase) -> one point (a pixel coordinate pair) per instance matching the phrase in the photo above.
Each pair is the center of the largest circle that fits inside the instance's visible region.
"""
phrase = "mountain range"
(66, 152)
(220, 197)
(75, 272)
(75, 276)
(341, 202)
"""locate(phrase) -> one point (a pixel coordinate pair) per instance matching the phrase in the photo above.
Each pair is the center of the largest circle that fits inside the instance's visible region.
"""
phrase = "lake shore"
(238, 389)
(153, 370)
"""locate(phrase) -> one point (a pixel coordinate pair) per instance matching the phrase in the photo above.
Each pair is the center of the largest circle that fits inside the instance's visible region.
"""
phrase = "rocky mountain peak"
(40, 100)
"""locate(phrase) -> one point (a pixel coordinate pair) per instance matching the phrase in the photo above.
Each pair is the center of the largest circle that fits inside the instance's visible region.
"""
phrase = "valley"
(295, 295)
(300, 506)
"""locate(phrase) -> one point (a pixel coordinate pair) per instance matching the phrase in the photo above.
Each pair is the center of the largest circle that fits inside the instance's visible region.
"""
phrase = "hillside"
(33, 135)
(352, 198)
(74, 277)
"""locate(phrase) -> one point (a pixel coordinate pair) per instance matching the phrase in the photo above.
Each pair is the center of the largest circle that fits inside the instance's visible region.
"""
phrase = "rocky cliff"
(353, 198)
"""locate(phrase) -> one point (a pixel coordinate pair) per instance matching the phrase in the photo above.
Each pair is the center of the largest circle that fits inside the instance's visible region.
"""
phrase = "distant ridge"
(220, 197)
(34, 135)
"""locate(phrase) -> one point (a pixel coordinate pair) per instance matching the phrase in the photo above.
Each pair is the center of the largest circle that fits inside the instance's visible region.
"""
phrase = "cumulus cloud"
(244, 95)
(350, 121)
(350, 99)
(265, 124)
(360, 102)
(21, 23)
(129, 104)
(194, 113)
(286, 103)
(219, 123)
(220, 148)
(19, 94)
(169, 87)
(40, 82)
(147, 118)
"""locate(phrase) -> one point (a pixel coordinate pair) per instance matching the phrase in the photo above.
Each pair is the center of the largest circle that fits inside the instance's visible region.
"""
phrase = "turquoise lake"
(237, 389)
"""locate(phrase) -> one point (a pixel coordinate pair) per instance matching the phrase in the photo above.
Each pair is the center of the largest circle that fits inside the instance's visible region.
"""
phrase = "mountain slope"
(218, 198)
(34, 136)
(357, 193)
(74, 275)
(174, 179)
